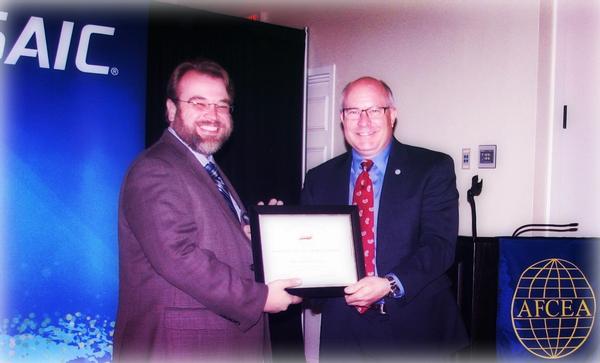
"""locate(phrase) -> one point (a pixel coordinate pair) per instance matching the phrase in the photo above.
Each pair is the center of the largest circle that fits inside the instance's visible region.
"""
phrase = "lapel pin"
(397, 171)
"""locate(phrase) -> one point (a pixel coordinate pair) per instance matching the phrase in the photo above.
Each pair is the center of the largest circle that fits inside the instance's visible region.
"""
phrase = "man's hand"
(367, 291)
(272, 201)
(247, 231)
(246, 227)
(278, 299)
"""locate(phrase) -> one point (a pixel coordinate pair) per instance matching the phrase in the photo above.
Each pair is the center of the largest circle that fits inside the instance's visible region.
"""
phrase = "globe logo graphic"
(553, 308)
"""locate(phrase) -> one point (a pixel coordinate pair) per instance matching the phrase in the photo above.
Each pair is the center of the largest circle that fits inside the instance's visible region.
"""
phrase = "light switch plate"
(487, 156)
(466, 158)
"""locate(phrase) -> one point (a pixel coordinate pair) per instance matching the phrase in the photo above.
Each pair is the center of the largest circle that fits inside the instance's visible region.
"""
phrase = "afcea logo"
(35, 29)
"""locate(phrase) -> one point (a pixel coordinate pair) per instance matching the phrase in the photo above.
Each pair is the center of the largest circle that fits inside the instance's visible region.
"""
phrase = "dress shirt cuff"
(400, 292)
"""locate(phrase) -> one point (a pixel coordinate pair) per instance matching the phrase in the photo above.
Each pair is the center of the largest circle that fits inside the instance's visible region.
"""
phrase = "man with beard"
(186, 285)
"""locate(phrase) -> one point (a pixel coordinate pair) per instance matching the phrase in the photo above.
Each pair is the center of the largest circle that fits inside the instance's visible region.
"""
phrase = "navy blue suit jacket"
(416, 237)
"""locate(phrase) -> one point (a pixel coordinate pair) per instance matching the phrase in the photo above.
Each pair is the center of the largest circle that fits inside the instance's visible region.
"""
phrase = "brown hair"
(202, 66)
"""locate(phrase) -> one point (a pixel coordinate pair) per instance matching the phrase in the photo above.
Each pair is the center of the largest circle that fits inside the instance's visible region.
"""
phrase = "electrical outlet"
(487, 156)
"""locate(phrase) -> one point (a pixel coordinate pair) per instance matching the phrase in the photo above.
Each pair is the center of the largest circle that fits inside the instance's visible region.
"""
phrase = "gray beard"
(197, 143)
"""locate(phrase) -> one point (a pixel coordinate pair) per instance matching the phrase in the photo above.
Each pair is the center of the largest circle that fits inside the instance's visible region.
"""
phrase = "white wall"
(464, 74)
(575, 153)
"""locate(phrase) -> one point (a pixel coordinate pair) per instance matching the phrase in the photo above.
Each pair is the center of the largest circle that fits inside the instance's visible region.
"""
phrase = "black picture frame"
(308, 218)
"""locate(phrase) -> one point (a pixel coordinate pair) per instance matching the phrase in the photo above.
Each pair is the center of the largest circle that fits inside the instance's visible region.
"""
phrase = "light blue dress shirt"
(205, 159)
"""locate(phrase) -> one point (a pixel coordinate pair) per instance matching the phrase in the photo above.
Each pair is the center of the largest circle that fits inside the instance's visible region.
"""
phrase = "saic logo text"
(35, 29)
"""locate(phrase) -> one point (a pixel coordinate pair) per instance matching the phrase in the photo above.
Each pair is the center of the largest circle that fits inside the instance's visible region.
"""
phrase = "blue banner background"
(70, 136)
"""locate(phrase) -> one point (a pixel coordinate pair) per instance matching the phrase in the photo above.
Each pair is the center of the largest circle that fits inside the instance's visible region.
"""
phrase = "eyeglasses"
(374, 113)
(201, 106)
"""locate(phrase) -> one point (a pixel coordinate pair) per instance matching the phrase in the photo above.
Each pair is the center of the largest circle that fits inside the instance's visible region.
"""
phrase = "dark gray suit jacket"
(186, 288)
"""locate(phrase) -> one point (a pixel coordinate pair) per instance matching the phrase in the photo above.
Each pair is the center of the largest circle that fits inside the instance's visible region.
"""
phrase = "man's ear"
(393, 116)
(171, 110)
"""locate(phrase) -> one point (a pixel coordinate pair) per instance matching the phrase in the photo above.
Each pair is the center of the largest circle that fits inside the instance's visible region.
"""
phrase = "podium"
(529, 298)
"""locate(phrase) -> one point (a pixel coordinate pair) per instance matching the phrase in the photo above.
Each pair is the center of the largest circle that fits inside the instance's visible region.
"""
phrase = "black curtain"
(263, 157)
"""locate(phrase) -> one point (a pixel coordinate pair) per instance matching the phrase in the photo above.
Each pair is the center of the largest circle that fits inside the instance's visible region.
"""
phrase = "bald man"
(405, 305)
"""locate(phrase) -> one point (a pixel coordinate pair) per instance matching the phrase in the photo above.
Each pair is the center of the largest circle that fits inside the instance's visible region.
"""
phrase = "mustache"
(209, 123)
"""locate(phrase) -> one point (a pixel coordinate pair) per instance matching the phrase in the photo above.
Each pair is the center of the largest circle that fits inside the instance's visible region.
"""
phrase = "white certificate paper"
(317, 248)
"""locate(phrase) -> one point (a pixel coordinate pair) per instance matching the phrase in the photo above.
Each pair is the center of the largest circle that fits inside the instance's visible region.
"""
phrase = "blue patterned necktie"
(211, 169)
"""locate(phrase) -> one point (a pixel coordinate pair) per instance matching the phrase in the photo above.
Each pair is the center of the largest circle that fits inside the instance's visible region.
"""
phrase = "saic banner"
(547, 299)
(73, 113)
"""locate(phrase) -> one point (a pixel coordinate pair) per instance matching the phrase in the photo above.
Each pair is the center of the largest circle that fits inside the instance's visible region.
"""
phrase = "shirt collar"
(380, 160)
(203, 159)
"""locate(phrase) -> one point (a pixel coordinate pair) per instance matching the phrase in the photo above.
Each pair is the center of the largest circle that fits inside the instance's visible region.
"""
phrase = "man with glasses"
(408, 207)
(186, 285)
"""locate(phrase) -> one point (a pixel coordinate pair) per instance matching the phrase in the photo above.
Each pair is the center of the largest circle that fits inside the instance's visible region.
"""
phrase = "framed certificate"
(319, 244)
